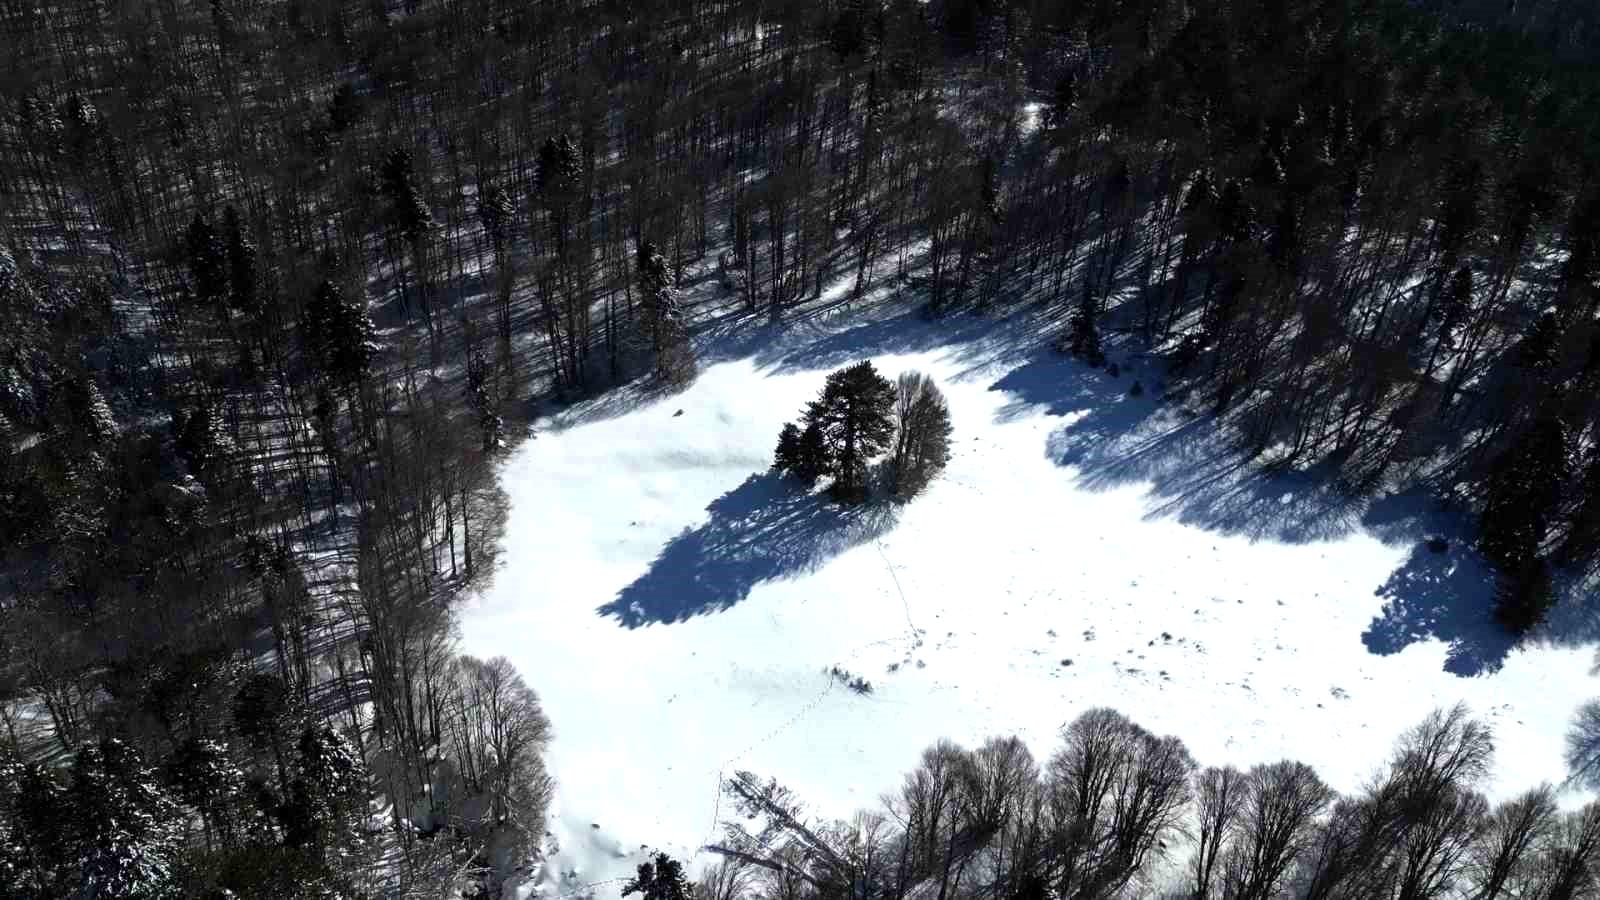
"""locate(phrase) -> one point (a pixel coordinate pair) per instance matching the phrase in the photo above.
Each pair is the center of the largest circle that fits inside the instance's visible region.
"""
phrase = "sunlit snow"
(678, 608)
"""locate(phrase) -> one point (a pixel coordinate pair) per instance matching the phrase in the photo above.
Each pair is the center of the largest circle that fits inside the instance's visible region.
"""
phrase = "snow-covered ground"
(678, 608)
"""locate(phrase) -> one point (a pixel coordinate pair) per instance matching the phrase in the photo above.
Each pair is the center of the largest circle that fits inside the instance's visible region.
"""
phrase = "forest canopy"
(276, 278)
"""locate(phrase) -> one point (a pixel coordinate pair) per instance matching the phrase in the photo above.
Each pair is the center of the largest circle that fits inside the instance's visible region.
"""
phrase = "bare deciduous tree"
(922, 433)
(1566, 869)
(502, 734)
(1220, 795)
(1118, 793)
(1515, 833)
(1276, 823)
(1583, 746)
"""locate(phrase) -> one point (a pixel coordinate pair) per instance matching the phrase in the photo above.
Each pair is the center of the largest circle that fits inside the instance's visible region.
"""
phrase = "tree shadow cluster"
(1197, 475)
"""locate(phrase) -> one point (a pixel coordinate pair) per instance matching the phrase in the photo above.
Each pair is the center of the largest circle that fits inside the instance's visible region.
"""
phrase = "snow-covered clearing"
(678, 608)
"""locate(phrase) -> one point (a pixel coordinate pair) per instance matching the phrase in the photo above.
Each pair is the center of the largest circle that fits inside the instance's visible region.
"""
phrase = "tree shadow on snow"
(1196, 474)
(1447, 595)
(767, 529)
(892, 319)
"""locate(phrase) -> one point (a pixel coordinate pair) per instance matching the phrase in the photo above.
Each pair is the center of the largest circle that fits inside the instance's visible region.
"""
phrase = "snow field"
(678, 609)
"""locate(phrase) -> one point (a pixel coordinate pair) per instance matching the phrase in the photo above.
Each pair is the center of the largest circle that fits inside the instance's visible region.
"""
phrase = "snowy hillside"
(679, 609)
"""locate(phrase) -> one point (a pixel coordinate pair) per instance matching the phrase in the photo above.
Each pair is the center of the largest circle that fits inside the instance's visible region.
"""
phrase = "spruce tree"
(484, 402)
(409, 213)
(664, 318)
(1063, 102)
(262, 712)
(1524, 596)
(853, 417)
(1083, 340)
(1523, 487)
(557, 175)
(35, 841)
(122, 824)
(202, 441)
(1457, 302)
(327, 801)
(494, 211)
(559, 167)
(204, 777)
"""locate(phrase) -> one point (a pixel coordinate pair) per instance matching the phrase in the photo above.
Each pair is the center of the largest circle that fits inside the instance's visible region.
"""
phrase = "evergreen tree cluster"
(115, 827)
(339, 334)
(858, 415)
(842, 430)
(662, 878)
(256, 795)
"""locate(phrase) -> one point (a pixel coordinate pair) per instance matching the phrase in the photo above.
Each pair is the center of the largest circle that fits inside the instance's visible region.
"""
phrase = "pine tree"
(241, 263)
(853, 417)
(208, 263)
(787, 457)
(661, 879)
(339, 334)
(812, 459)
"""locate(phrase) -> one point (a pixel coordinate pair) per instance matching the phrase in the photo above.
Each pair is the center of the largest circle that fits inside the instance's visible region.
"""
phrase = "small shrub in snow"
(850, 680)
(1137, 390)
